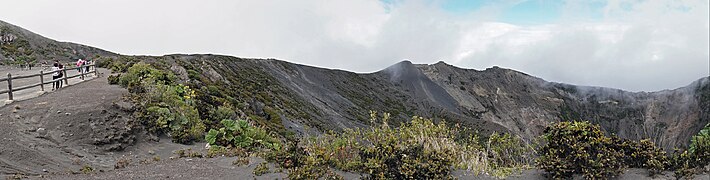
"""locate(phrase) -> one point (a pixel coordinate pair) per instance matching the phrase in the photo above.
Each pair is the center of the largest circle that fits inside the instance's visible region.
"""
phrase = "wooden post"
(96, 70)
(41, 80)
(9, 86)
(65, 76)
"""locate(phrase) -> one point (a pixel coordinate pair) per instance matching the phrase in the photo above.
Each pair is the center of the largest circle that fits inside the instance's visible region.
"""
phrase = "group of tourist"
(58, 69)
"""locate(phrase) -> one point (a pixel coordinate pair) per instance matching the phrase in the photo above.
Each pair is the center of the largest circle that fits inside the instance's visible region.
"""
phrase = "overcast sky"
(628, 44)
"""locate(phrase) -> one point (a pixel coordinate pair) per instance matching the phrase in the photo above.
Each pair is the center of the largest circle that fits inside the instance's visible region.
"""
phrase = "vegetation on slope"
(420, 148)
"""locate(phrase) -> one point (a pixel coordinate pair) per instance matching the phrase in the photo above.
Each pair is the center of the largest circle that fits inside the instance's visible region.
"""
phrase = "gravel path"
(32, 92)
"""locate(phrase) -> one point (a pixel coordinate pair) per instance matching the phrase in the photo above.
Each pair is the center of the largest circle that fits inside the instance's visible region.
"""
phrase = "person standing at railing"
(79, 63)
(86, 66)
(56, 75)
(61, 73)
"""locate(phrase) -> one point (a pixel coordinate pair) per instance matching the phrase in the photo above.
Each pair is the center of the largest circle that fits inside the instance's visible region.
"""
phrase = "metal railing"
(42, 82)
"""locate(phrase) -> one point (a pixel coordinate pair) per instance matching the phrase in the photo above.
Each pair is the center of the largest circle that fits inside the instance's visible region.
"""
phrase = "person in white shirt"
(56, 75)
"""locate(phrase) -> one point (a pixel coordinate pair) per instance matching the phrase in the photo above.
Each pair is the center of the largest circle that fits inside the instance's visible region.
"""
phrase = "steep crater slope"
(494, 99)
(525, 104)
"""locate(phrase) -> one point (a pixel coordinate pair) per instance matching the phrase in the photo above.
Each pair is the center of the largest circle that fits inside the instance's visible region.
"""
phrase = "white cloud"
(634, 45)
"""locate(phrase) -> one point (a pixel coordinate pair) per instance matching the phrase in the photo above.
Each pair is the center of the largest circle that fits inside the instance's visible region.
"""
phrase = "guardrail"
(42, 82)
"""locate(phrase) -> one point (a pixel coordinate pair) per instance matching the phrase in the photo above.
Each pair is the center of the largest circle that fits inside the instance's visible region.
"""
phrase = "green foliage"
(261, 169)
(582, 148)
(215, 151)
(579, 148)
(182, 153)
(113, 79)
(141, 75)
(120, 65)
(686, 163)
(163, 106)
(87, 169)
(507, 154)
(241, 134)
(419, 149)
(643, 154)
(241, 161)
(700, 147)
(104, 63)
(173, 111)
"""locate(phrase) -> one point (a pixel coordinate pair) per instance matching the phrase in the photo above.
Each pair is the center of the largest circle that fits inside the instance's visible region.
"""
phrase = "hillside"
(495, 99)
(19, 46)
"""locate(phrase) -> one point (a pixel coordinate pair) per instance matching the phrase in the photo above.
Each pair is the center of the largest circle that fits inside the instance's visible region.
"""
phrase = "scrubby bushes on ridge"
(163, 105)
(582, 148)
(419, 149)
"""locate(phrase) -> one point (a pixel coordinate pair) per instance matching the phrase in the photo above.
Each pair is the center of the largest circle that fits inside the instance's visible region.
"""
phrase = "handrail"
(41, 74)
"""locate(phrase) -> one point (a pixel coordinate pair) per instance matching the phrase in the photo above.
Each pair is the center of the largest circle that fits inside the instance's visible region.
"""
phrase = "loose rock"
(42, 132)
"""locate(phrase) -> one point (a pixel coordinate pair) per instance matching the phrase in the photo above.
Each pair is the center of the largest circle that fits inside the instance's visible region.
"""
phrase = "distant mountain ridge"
(18, 46)
(490, 100)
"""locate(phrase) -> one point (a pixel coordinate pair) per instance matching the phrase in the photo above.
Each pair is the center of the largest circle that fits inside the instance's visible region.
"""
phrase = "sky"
(635, 45)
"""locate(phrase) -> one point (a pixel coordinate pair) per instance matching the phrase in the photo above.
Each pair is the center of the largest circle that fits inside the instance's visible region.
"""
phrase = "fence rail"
(10, 90)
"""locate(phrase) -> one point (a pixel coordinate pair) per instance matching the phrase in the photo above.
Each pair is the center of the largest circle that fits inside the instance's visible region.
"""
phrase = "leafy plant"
(579, 148)
(700, 147)
(419, 149)
(240, 134)
(164, 106)
(261, 169)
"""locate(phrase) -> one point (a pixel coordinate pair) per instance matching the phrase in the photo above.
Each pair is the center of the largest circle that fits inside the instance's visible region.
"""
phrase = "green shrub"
(643, 154)
(261, 169)
(142, 74)
(419, 149)
(687, 163)
(170, 110)
(164, 107)
(86, 169)
(104, 63)
(700, 147)
(507, 153)
(113, 79)
(241, 134)
(291, 156)
(579, 148)
(582, 148)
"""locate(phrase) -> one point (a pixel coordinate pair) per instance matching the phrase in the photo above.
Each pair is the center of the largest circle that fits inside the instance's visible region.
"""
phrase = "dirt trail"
(81, 125)
(63, 130)
(55, 135)
(36, 91)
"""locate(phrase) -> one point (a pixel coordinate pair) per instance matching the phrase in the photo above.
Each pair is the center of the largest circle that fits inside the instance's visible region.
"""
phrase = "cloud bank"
(631, 45)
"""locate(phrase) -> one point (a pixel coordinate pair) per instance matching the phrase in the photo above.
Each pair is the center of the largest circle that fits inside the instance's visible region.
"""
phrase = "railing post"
(41, 80)
(96, 70)
(66, 81)
(9, 86)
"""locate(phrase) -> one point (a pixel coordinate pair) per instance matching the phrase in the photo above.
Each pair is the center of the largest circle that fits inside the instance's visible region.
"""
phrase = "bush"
(104, 63)
(687, 163)
(643, 154)
(241, 134)
(507, 153)
(579, 148)
(113, 79)
(261, 169)
(164, 107)
(419, 149)
(582, 148)
(700, 147)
